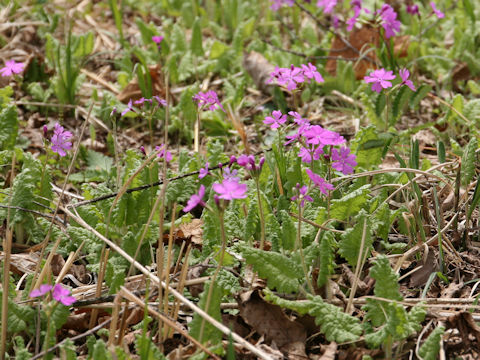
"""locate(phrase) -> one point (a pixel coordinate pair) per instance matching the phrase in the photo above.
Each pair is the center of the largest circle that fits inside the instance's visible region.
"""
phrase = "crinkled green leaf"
(334, 323)
(327, 258)
(9, 126)
(350, 244)
(350, 204)
(431, 347)
(281, 272)
(288, 229)
(469, 161)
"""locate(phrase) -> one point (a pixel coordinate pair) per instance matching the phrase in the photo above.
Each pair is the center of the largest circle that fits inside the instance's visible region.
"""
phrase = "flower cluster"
(380, 79)
(292, 76)
(208, 100)
(389, 20)
(60, 140)
(59, 293)
(11, 67)
(162, 153)
(140, 103)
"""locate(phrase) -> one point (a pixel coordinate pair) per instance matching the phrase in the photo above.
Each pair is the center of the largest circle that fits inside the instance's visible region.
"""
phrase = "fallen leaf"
(259, 69)
(270, 321)
(420, 277)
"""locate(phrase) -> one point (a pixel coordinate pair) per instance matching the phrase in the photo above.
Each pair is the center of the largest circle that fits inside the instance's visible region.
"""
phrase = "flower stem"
(262, 218)
(299, 246)
(215, 275)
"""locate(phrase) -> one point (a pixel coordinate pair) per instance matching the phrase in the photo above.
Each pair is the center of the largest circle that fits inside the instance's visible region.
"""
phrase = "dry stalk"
(360, 262)
(167, 273)
(113, 325)
(98, 290)
(258, 352)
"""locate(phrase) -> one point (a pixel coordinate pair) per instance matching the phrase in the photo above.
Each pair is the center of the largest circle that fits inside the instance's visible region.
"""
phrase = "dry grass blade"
(261, 354)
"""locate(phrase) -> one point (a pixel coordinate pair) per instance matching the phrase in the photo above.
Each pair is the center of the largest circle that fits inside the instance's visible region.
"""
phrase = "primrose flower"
(404, 74)
(59, 293)
(60, 140)
(231, 175)
(343, 161)
(389, 20)
(162, 153)
(157, 39)
(62, 295)
(277, 4)
(311, 72)
(437, 12)
(159, 100)
(203, 171)
(380, 79)
(42, 290)
(208, 99)
(128, 108)
(297, 118)
(308, 154)
(353, 20)
(413, 10)
(317, 135)
(275, 121)
(319, 182)
(195, 199)
(230, 190)
(248, 162)
(327, 5)
(141, 101)
(12, 67)
(302, 194)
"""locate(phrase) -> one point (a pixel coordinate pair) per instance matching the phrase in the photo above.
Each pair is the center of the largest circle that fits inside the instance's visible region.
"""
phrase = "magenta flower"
(157, 39)
(160, 100)
(128, 108)
(44, 288)
(275, 121)
(389, 20)
(288, 77)
(12, 67)
(437, 12)
(380, 79)
(353, 20)
(208, 99)
(62, 295)
(203, 171)
(195, 199)
(302, 194)
(162, 153)
(60, 140)
(319, 182)
(404, 74)
(277, 4)
(317, 135)
(231, 175)
(230, 190)
(327, 5)
(343, 161)
(297, 118)
(311, 72)
(141, 101)
(308, 154)
(413, 10)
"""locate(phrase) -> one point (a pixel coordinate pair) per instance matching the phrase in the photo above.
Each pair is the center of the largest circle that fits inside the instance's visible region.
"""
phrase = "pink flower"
(319, 136)
(311, 72)
(160, 100)
(275, 121)
(404, 74)
(437, 12)
(157, 39)
(308, 154)
(230, 190)
(208, 99)
(288, 77)
(60, 140)
(379, 79)
(389, 20)
(302, 194)
(343, 161)
(277, 4)
(353, 20)
(44, 288)
(141, 101)
(195, 199)
(203, 171)
(413, 10)
(162, 153)
(297, 118)
(231, 175)
(319, 182)
(12, 67)
(128, 108)
(62, 295)
(327, 5)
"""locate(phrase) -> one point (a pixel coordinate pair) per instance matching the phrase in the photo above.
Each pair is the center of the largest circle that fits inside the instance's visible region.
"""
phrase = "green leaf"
(350, 204)
(9, 126)
(416, 97)
(281, 272)
(400, 101)
(469, 161)
(334, 323)
(380, 103)
(251, 221)
(210, 333)
(350, 244)
(146, 348)
(288, 229)
(59, 316)
(178, 39)
(368, 147)
(196, 42)
(84, 45)
(19, 318)
(21, 352)
(431, 347)
(327, 258)
(217, 50)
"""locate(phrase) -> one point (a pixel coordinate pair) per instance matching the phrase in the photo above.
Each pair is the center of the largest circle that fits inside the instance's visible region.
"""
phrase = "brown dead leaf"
(420, 277)
(452, 289)
(132, 90)
(330, 351)
(22, 263)
(192, 230)
(259, 69)
(270, 321)
(466, 325)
